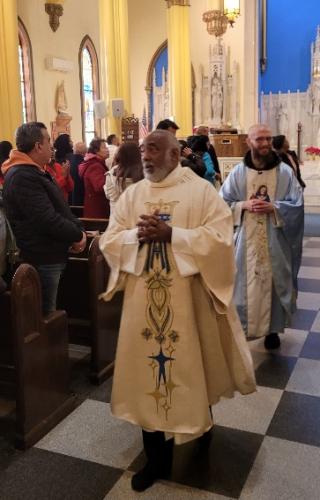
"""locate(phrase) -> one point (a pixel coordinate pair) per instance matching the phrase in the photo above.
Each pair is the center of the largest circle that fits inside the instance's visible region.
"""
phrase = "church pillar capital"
(182, 3)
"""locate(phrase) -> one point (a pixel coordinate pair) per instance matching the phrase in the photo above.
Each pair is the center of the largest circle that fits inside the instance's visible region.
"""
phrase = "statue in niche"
(315, 99)
(283, 119)
(61, 125)
(61, 100)
(216, 100)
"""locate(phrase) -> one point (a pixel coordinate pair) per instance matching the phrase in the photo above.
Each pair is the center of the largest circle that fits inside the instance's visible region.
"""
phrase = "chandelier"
(221, 13)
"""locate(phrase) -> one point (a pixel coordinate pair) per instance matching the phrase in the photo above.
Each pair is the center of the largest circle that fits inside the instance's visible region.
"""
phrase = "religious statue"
(61, 125)
(217, 100)
(61, 100)
(283, 119)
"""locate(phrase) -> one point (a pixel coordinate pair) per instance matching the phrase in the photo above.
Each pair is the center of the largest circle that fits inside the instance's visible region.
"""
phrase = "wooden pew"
(99, 225)
(105, 316)
(91, 322)
(34, 364)
(77, 210)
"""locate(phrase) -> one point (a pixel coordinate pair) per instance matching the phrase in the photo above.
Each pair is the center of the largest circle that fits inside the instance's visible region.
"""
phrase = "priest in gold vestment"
(181, 346)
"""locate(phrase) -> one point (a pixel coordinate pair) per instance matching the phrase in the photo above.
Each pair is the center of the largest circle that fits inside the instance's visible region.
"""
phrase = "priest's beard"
(261, 160)
(156, 174)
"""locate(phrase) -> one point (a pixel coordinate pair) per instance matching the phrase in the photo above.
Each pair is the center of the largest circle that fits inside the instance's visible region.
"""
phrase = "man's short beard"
(156, 176)
(262, 159)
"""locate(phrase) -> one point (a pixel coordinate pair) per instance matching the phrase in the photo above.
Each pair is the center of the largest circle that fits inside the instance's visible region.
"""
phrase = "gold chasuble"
(181, 346)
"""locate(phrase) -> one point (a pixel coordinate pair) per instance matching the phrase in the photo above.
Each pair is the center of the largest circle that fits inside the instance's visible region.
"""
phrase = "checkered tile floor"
(265, 446)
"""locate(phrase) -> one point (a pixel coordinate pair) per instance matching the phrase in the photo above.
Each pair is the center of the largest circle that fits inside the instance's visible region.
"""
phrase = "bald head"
(80, 148)
(202, 130)
(160, 155)
(258, 128)
(260, 143)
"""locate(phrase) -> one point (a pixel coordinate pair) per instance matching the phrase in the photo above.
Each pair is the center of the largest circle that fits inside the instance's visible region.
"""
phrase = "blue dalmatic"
(283, 243)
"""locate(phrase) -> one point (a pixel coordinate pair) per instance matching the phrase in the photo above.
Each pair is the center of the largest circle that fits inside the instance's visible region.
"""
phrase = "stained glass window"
(26, 76)
(22, 84)
(89, 89)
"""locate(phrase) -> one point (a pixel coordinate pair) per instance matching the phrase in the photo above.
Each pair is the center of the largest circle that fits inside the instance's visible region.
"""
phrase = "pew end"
(39, 359)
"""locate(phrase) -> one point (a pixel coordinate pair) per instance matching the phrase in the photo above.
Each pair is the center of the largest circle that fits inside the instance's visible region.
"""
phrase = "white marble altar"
(283, 111)
(310, 172)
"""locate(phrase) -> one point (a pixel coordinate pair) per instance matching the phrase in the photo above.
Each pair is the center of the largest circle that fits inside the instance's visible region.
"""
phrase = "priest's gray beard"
(157, 174)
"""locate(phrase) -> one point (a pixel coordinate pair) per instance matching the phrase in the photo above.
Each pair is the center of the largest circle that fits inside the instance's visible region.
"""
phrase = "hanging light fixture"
(217, 23)
(219, 13)
(231, 10)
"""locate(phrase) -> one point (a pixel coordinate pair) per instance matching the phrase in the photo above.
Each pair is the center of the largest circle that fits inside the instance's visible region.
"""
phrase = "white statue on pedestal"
(216, 100)
(219, 90)
(61, 100)
(283, 119)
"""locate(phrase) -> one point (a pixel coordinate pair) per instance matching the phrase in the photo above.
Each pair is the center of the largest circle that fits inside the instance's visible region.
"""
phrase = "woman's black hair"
(95, 145)
(63, 148)
(278, 142)
(5, 148)
(199, 143)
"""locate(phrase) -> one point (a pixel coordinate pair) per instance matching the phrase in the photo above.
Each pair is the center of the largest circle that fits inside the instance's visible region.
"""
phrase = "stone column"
(115, 57)
(10, 93)
(180, 64)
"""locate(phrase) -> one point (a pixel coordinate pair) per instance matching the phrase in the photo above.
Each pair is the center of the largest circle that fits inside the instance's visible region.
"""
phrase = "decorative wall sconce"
(54, 9)
(231, 10)
(219, 14)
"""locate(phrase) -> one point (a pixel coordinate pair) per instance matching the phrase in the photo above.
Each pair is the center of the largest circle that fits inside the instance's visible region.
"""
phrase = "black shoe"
(272, 341)
(143, 479)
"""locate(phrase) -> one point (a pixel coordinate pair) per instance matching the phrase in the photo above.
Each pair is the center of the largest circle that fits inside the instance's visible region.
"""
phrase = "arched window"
(26, 74)
(157, 87)
(89, 86)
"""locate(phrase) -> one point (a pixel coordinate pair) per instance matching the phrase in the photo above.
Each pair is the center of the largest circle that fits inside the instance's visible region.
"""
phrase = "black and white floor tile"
(265, 446)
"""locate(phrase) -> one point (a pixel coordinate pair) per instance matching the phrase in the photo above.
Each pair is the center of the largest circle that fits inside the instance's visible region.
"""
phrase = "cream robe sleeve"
(120, 247)
(208, 249)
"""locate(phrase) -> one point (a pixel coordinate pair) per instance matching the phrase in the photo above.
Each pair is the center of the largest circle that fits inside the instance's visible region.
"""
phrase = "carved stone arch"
(149, 83)
(27, 72)
(88, 44)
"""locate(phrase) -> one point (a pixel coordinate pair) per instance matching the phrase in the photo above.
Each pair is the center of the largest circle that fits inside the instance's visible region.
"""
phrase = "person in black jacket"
(77, 195)
(191, 160)
(41, 220)
(281, 146)
(204, 130)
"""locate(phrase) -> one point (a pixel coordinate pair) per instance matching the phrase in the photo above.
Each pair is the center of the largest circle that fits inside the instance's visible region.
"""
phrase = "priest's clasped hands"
(152, 228)
(258, 206)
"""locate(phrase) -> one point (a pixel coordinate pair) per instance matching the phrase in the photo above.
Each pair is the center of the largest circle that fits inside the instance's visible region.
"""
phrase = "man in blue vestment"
(267, 204)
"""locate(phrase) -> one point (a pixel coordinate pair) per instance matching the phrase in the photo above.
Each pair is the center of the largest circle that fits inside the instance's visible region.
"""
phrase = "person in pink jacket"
(93, 171)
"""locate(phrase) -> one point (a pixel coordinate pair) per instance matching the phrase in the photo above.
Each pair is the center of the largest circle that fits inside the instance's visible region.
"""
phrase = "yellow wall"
(147, 31)
(80, 18)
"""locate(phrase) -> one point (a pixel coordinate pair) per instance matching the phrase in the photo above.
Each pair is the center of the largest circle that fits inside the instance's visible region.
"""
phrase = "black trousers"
(159, 452)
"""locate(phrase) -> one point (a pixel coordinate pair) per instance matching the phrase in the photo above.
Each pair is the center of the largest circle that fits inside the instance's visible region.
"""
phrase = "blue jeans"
(49, 275)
